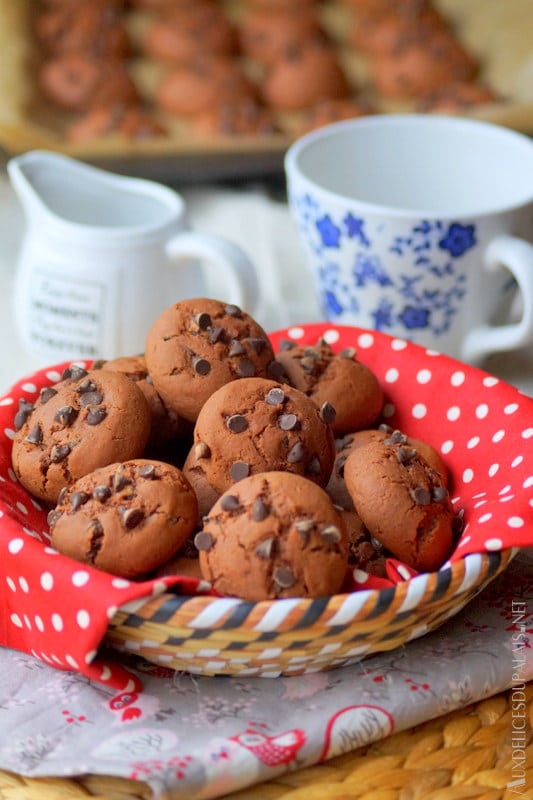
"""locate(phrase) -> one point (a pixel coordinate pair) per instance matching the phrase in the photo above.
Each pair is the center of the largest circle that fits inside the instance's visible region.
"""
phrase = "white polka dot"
(498, 436)
(331, 336)
(511, 408)
(505, 489)
(22, 508)
(159, 587)
(27, 622)
(485, 518)
(111, 611)
(480, 503)
(15, 546)
(457, 379)
(432, 353)
(12, 475)
(29, 387)
(365, 340)
(360, 576)
(528, 482)
(527, 434)
(453, 413)
(464, 540)
(447, 446)
(80, 577)
(419, 411)
(473, 442)
(53, 375)
(515, 522)
(479, 494)
(57, 622)
(468, 475)
(507, 498)
(120, 583)
(423, 376)
(398, 344)
(389, 409)
(493, 469)
(47, 581)
(15, 619)
(90, 656)
(482, 410)
(71, 661)
(9, 433)
(392, 375)
(403, 572)
(490, 381)
(35, 504)
(296, 333)
(83, 618)
(39, 624)
(6, 401)
(105, 673)
(517, 461)
(493, 544)
(11, 583)
(23, 583)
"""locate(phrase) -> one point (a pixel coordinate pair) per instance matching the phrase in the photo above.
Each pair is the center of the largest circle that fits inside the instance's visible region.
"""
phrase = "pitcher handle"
(516, 255)
(239, 273)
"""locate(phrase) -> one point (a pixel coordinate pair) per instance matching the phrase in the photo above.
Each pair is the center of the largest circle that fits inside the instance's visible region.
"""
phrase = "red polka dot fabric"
(58, 609)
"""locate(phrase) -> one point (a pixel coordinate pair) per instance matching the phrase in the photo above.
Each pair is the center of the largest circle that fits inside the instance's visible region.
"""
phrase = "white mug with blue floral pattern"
(420, 226)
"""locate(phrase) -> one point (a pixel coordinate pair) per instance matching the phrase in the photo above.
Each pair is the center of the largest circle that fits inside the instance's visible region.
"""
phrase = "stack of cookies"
(265, 473)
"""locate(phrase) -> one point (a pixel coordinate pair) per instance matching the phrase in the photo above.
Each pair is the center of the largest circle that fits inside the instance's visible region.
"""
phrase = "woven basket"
(213, 636)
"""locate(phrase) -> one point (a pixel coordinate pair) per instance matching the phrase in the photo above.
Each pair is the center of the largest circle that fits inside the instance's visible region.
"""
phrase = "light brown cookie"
(198, 345)
(256, 425)
(76, 82)
(94, 29)
(126, 518)
(114, 119)
(87, 420)
(328, 111)
(338, 378)
(194, 88)
(402, 502)
(178, 36)
(265, 35)
(274, 535)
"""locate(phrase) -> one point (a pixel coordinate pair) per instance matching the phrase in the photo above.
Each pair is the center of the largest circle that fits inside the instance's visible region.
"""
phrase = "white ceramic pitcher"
(104, 254)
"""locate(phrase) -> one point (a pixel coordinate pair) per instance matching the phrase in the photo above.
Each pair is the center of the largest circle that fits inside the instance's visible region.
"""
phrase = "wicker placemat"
(469, 753)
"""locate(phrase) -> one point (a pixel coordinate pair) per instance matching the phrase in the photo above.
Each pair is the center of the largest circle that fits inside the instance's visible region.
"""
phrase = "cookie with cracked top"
(85, 421)
(402, 502)
(274, 535)
(257, 425)
(126, 518)
(198, 345)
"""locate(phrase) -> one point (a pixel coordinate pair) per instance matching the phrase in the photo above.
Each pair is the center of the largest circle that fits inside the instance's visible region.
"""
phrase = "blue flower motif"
(331, 305)
(383, 315)
(368, 269)
(329, 232)
(354, 229)
(458, 239)
(415, 317)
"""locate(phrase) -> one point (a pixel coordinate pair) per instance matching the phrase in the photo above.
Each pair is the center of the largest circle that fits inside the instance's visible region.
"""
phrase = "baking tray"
(499, 33)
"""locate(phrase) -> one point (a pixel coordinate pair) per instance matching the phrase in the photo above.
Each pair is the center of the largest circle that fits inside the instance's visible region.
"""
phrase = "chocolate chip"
(147, 471)
(203, 541)
(385, 428)
(348, 352)
(233, 310)
(96, 415)
(237, 423)
(91, 398)
(260, 510)
(101, 493)
(439, 494)
(314, 468)
(275, 397)
(23, 413)
(287, 344)
(215, 334)
(201, 366)
(97, 534)
(52, 517)
(420, 495)
(339, 466)
(331, 534)
(66, 415)
(405, 454)
(275, 371)
(236, 348)
(304, 525)
(257, 345)
(229, 502)
(74, 373)
(35, 436)
(288, 422)
(284, 577)
(202, 450)
(203, 320)
(245, 368)
(59, 452)
(120, 482)
(308, 363)
(296, 453)
(86, 386)
(327, 413)
(266, 548)
(62, 494)
(78, 499)
(131, 517)
(239, 470)
(340, 444)
(396, 437)
(321, 342)
(46, 394)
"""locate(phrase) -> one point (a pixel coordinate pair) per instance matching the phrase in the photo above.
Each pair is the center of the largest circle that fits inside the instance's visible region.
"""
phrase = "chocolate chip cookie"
(338, 378)
(126, 518)
(87, 420)
(274, 535)
(256, 425)
(402, 502)
(198, 345)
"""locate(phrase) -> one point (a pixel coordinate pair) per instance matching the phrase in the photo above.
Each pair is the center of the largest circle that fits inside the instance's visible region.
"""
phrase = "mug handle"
(516, 255)
(240, 277)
